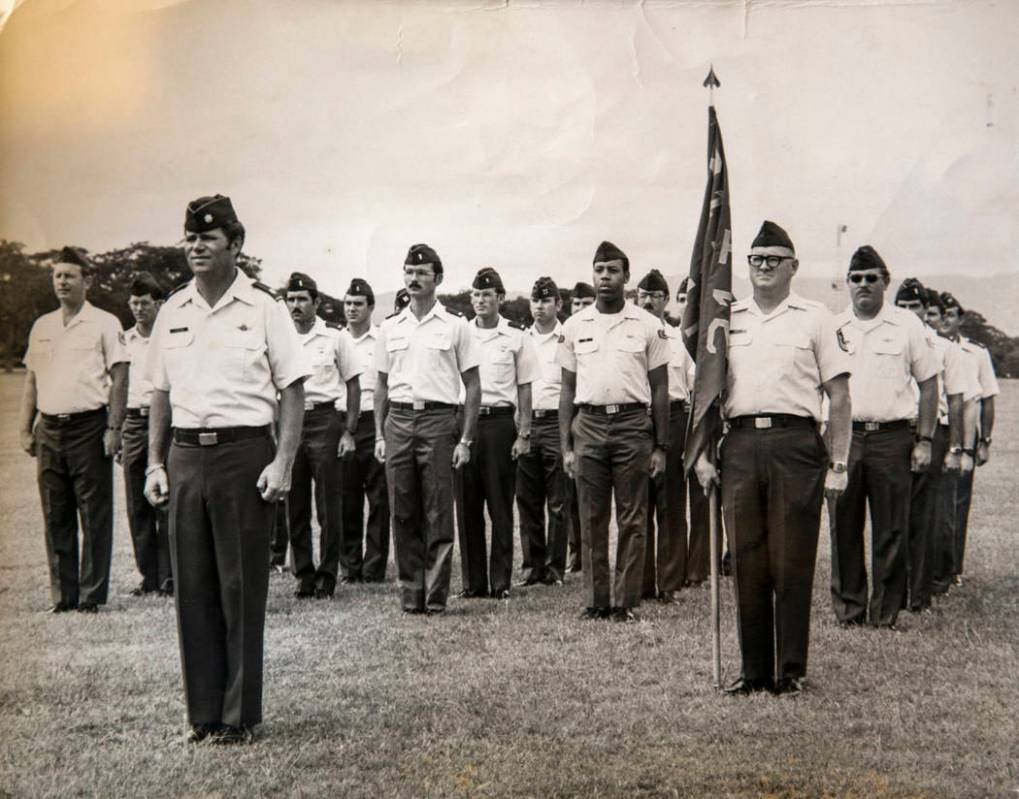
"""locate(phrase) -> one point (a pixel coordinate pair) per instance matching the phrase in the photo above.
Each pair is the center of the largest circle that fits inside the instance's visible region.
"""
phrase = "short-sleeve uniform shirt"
(139, 387)
(888, 353)
(506, 360)
(72, 363)
(364, 353)
(223, 366)
(779, 360)
(331, 355)
(548, 384)
(425, 358)
(985, 367)
(956, 374)
(681, 371)
(612, 354)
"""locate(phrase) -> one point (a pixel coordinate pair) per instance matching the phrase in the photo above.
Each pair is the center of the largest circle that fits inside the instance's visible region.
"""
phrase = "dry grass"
(511, 699)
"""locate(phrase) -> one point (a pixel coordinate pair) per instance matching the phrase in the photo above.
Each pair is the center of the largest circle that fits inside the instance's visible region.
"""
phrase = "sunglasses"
(868, 279)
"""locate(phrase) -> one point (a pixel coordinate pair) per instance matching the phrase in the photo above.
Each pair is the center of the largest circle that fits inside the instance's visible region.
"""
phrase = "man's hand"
(461, 455)
(570, 464)
(520, 447)
(111, 442)
(953, 461)
(347, 445)
(157, 487)
(966, 463)
(921, 457)
(983, 453)
(28, 442)
(707, 474)
(380, 450)
(657, 462)
(834, 484)
(274, 482)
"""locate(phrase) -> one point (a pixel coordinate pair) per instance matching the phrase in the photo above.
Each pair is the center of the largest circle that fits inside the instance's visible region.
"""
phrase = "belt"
(138, 413)
(871, 427)
(319, 406)
(545, 413)
(219, 435)
(67, 418)
(496, 410)
(609, 410)
(768, 421)
(684, 404)
(421, 406)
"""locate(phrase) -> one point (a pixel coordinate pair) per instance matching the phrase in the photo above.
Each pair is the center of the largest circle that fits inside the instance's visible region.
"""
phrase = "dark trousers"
(612, 455)
(944, 532)
(698, 567)
(280, 540)
(219, 544)
(419, 476)
(924, 510)
(148, 525)
(576, 549)
(541, 484)
(879, 473)
(963, 500)
(665, 554)
(488, 480)
(365, 548)
(772, 487)
(76, 479)
(316, 462)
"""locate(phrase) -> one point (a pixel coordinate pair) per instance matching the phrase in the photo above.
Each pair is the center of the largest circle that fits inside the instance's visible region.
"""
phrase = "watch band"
(969, 452)
(839, 467)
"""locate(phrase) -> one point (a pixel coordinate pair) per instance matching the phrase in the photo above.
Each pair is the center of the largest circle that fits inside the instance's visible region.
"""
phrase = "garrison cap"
(544, 289)
(208, 213)
(607, 251)
(654, 281)
(423, 254)
(360, 288)
(488, 278)
(911, 290)
(301, 282)
(402, 299)
(948, 301)
(933, 298)
(772, 235)
(72, 255)
(866, 257)
(584, 290)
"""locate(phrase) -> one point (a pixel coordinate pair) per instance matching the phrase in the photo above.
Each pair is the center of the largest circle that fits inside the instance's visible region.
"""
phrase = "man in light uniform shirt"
(665, 555)
(541, 481)
(77, 384)
(889, 351)
(225, 361)
(982, 451)
(507, 367)
(148, 524)
(422, 354)
(783, 353)
(957, 386)
(582, 296)
(325, 439)
(365, 544)
(614, 357)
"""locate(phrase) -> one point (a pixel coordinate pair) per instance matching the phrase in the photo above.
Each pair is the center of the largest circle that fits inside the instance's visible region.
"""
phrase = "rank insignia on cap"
(488, 278)
(208, 213)
(301, 282)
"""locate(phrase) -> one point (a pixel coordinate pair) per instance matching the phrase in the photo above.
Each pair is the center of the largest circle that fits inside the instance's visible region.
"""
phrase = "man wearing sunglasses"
(783, 353)
(890, 357)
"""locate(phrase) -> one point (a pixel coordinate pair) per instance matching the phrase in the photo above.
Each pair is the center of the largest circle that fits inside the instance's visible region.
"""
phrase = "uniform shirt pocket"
(795, 350)
(242, 350)
(888, 358)
(178, 354)
(585, 347)
(631, 343)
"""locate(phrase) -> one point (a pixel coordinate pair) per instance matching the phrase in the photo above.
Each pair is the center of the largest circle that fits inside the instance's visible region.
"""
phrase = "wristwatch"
(969, 452)
(956, 450)
(986, 441)
(663, 447)
(839, 467)
(927, 439)
(466, 441)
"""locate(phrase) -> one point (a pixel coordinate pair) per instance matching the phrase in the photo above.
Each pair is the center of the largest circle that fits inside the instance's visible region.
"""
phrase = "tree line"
(26, 293)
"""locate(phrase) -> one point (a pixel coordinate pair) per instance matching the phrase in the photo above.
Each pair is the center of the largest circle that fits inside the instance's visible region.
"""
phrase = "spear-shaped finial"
(711, 81)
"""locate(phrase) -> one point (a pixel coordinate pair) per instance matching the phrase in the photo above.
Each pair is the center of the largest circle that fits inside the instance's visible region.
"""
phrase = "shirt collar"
(371, 332)
(556, 331)
(438, 310)
(240, 289)
(318, 328)
(87, 313)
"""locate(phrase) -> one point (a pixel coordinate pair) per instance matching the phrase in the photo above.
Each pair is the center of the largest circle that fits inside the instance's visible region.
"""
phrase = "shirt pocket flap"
(740, 338)
(887, 347)
(243, 339)
(585, 345)
(797, 340)
(631, 344)
(183, 338)
(502, 356)
(396, 344)
(82, 341)
(438, 341)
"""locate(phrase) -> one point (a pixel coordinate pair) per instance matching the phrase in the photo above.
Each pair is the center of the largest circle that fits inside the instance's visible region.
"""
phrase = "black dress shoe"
(789, 685)
(304, 592)
(574, 567)
(413, 611)
(140, 590)
(669, 597)
(595, 613)
(322, 593)
(553, 577)
(435, 611)
(501, 594)
(743, 687)
(200, 732)
(624, 615)
(62, 607)
(229, 734)
(529, 582)
(469, 594)
(351, 579)
(88, 607)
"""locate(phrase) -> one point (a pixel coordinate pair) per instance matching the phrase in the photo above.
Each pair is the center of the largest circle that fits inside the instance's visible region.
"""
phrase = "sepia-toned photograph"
(509, 398)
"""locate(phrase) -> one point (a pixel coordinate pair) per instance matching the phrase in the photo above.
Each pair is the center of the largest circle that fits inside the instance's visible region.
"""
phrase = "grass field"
(515, 698)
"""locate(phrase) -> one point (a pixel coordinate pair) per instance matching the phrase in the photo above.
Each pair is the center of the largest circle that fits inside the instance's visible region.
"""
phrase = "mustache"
(414, 286)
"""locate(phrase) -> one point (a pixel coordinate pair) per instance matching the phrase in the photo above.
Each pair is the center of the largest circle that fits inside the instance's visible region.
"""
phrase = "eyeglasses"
(770, 260)
(650, 295)
(418, 273)
(868, 279)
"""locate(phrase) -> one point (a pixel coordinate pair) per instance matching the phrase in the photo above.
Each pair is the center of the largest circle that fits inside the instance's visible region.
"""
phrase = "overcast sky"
(514, 135)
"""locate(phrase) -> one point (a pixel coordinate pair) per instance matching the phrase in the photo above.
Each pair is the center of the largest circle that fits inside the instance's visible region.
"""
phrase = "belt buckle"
(63, 417)
(870, 427)
(309, 405)
(484, 411)
(762, 422)
(208, 439)
(611, 409)
(418, 405)
(144, 411)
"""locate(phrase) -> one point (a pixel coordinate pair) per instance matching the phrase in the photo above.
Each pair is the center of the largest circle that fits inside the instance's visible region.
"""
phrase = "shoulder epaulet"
(394, 313)
(262, 287)
(813, 304)
(517, 325)
(335, 325)
(976, 344)
(183, 285)
(454, 312)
